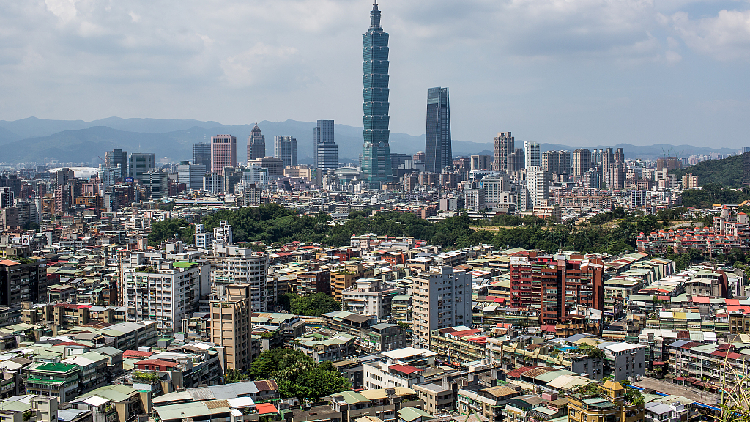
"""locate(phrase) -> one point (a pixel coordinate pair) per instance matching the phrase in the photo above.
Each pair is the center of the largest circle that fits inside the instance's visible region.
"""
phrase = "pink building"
(223, 153)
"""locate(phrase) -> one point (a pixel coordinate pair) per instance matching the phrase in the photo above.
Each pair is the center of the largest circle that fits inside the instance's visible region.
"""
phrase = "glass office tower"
(438, 151)
(376, 154)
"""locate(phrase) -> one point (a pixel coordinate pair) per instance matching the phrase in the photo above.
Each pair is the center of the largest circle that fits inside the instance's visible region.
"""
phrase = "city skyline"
(598, 74)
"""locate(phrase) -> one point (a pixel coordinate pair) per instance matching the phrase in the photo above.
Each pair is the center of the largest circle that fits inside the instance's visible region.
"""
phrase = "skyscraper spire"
(376, 153)
(375, 16)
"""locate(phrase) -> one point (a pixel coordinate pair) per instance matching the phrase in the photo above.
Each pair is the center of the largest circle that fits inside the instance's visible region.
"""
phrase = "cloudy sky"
(579, 72)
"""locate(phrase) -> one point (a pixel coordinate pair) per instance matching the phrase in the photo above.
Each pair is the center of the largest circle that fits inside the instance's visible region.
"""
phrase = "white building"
(627, 360)
(203, 239)
(399, 368)
(162, 289)
(222, 235)
(442, 298)
(537, 186)
(367, 297)
(532, 154)
(235, 265)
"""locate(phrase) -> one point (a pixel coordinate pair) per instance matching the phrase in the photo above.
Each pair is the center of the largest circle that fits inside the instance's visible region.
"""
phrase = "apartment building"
(441, 298)
(230, 327)
(161, 289)
(559, 287)
(368, 296)
(235, 265)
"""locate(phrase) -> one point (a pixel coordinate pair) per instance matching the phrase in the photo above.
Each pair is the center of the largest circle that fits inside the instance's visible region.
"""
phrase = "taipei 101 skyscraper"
(376, 154)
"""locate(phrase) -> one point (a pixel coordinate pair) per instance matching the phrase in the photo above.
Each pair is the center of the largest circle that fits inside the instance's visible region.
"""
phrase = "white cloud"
(260, 64)
(234, 60)
(63, 9)
(725, 37)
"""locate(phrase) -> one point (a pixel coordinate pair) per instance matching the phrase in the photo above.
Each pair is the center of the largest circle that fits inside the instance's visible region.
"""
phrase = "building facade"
(504, 146)
(256, 144)
(140, 163)
(441, 298)
(438, 151)
(376, 152)
(202, 154)
(325, 150)
(285, 148)
(223, 153)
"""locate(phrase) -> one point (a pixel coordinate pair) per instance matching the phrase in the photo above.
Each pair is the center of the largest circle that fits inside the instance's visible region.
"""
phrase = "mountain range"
(44, 140)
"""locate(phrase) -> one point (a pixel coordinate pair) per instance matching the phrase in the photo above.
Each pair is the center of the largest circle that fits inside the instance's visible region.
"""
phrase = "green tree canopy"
(313, 305)
(297, 375)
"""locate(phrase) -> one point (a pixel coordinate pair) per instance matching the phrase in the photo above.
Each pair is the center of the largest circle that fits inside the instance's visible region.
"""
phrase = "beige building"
(437, 399)
(689, 181)
(441, 298)
(230, 327)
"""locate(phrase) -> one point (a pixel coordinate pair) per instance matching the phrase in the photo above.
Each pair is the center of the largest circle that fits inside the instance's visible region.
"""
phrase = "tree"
(233, 375)
(169, 229)
(297, 375)
(312, 305)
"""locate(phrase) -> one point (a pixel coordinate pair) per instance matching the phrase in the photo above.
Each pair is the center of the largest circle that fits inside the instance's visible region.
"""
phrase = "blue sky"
(578, 72)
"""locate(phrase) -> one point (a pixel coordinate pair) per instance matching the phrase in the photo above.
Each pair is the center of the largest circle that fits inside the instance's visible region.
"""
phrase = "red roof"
(466, 332)
(516, 373)
(729, 355)
(405, 369)
(733, 302)
(264, 408)
(70, 343)
(739, 309)
(157, 362)
(550, 328)
(136, 354)
(9, 263)
(701, 299)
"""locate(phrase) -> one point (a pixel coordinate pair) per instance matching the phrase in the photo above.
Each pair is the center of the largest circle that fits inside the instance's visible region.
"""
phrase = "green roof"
(352, 397)
(411, 413)
(184, 264)
(56, 367)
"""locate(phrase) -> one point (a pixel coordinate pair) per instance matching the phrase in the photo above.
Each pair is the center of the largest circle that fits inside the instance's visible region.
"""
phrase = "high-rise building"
(223, 153)
(6, 197)
(442, 299)
(115, 158)
(504, 146)
(325, 150)
(285, 147)
(481, 162)
(556, 162)
(557, 286)
(580, 162)
(191, 175)
(175, 288)
(515, 161)
(256, 144)
(233, 265)
(532, 154)
(537, 185)
(140, 163)
(613, 168)
(376, 152)
(230, 327)
(202, 154)
(438, 152)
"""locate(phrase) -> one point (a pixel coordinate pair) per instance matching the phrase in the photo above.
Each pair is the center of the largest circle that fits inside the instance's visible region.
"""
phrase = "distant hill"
(7, 136)
(40, 140)
(728, 172)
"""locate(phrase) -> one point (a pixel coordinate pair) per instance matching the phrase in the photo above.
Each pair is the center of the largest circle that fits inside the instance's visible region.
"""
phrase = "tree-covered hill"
(727, 172)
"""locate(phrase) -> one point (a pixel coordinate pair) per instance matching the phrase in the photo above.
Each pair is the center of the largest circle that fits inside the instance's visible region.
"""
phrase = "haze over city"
(575, 73)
